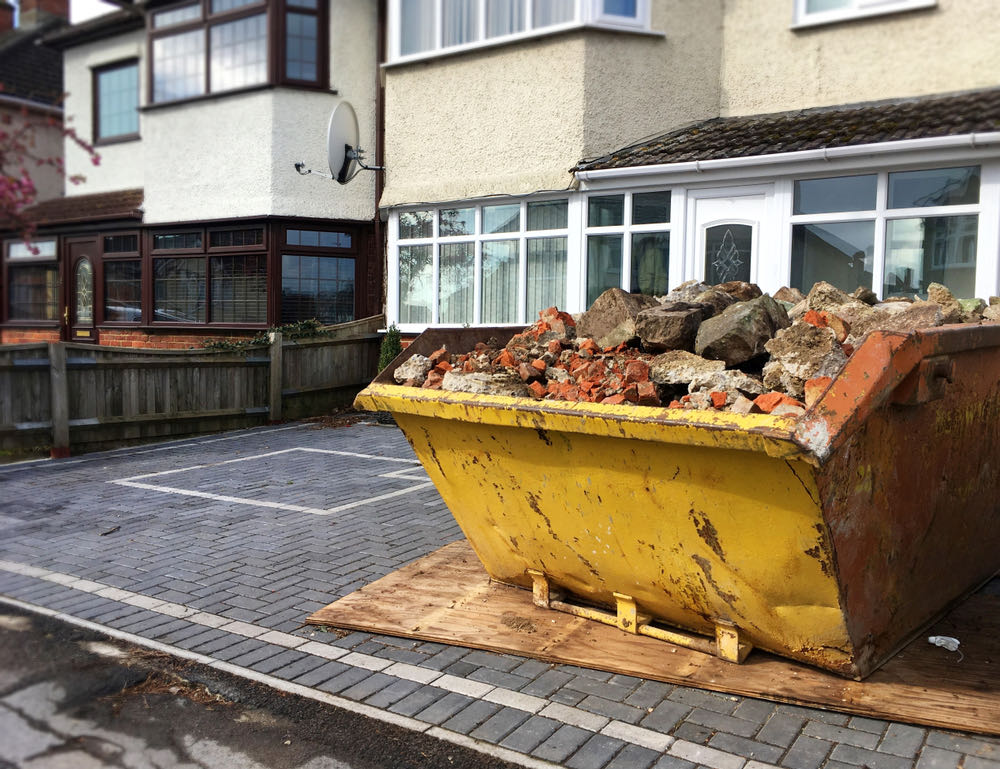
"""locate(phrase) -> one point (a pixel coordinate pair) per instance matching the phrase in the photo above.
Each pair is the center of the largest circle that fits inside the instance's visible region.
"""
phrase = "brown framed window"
(247, 237)
(239, 288)
(116, 102)
(178, 241)
(179, 290)
(32, 281)
(320, 287)
(218, 46)
(122, 290)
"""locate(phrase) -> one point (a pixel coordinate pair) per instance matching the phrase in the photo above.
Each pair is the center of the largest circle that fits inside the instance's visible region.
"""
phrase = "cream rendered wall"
(768, 67)
(120, 165)
(640, 85)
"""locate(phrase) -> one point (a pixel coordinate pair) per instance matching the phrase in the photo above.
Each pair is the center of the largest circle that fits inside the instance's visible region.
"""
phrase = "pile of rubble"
(726, 347)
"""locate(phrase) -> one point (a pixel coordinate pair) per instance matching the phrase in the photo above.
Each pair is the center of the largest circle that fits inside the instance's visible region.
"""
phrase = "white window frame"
(586, 13)
(571, 232)
(881, 215)
(626, 230)
(857, 9)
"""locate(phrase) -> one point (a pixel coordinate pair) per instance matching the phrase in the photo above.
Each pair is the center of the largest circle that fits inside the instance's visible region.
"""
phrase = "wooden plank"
(446, 597)
(59, 398)
(276, 375)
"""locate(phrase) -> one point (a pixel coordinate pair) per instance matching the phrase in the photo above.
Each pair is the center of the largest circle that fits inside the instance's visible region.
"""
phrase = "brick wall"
(23, 335)
(127, 337)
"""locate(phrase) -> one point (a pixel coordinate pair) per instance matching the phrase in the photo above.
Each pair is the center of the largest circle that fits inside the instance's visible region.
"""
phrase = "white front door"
(730, 232)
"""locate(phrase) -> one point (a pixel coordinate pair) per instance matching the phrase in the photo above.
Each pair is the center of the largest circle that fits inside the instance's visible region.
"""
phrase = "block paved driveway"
(217, 548)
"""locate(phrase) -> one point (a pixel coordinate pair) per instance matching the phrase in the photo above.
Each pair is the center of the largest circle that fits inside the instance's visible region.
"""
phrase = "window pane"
(416, 24)
(239, 53)
(456, 288)
(938, 249)
(818, 6)
(179, 290)
(552, 12)
(33, 292)
(239, 289)
(218, 6)
(604, 265)
(118, 101)
(504, 17)
(839, 193)
(416, 283)
(177, 240)
(650, 263)
(548, 215)
(320, 287)
(940, 187)
(727, 253)
(500, 262)
(45, 248)
(302, 3)
(416, 224)
(606, 211)
(334, 240)
(176, 15)
(301, 36)
(620, 8)
(651, 208)
(118, 244)
(839, 253)
(253, 236)
(84, 285)
(457, 221)
(123, 291)
(460, 22)
(501, 218)
(546, 273)
(179, 66)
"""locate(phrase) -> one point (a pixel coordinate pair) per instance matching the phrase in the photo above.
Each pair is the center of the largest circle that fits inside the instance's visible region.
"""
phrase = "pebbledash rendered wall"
(770, 67)
(233, 156)
(514, 118)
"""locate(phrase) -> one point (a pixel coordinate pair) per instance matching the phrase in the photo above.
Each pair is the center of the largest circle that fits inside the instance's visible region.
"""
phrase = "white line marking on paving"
(413, 466)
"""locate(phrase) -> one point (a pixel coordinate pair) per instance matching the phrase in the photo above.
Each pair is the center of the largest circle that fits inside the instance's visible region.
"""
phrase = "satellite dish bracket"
(344, 154)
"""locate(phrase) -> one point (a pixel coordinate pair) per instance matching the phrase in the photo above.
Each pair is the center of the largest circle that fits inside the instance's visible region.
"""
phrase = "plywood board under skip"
(446, 597)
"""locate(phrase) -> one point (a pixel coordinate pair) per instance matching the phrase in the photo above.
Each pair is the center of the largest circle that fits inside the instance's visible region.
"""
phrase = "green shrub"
(391, 347)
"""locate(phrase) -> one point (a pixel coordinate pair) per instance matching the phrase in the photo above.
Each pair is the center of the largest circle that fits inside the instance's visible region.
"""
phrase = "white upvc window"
(627, 243)
(894, 232)
(489, 263)
(424, 28)
(813, 12)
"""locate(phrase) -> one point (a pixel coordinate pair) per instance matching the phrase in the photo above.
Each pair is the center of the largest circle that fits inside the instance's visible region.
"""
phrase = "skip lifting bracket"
(727, 645)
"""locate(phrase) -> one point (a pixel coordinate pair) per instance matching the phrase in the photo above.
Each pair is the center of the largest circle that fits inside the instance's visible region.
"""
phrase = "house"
(195, 225)
(786, 141)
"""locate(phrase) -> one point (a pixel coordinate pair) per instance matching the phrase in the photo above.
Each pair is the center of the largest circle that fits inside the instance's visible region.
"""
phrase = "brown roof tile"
(812, 129)
(101, 206)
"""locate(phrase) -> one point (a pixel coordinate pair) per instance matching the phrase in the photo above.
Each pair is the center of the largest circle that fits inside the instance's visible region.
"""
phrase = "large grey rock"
(790, 295)
(911, 317)
(972, 309)
(501, 383)
(717, 300)
(992, 313)
(740, 290)
(679, 367)
(799, 353)
(828, 298)
(951, 309)
(670, 326)
(740, 332)
(611, 318)
(687, 291)
(730, 381)
(414, 368)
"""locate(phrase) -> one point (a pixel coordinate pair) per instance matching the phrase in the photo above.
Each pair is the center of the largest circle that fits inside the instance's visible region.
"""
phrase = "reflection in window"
(552, 12)
(650, 208)
(416, 224)
(727, 253)
(506, 218)
(253, 236)
(118, 101)
(239, 53)
(33, 293)
(318, 238)
(416, 23)
(938, 187)
(119, 244)
(460, 21)
(179, 66)
(84, 280)
(548, 215)
(840, 253)
(546, 265)
(455, 300)
(239, 289)
(839, 193)
(620, 8)
(457, 221)
(416, 283)
(650, 263)
(177, 240)
(179, 290)
(504, 17)
(218, 6)
(499, 285)
(938, 249)
(301, 46)
(176, 15)
(605, 211)
(604, 265)
(123, 291)
(320, 287)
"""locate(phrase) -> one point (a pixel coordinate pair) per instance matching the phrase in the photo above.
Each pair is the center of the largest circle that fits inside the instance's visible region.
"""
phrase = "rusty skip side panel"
(911, 492)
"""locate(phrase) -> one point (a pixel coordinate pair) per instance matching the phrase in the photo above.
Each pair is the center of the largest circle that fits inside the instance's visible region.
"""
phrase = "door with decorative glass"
(78, 315)
(727, 232)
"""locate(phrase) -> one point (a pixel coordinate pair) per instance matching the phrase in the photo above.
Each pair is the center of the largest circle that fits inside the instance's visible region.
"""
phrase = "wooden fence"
(63, 394)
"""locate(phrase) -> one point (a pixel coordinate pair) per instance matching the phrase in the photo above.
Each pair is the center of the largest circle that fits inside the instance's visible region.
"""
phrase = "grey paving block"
(368, 686)
(547, 683)
(813, 714)
(567, 697)
(758, 751)
(902, 740)
(614, 710)
(240, 646)
(648, 694)
(853, 737)
(501, 662)
(392, 693)
(285, 658)
(875, 726)
(672, 762)
(529, 735)
(781, 729)
(499, 725)
(976, 746)
(598, 688)
(562, 743)
(595, 753)
(263, 652)
(756, 711)
(700, 735)
(467, 719)
(633, 757)
(420, 699)
(849, 754)
(666, 716)
(722, 723)
(444, 708)
(974, 762)
(461, 669)
(807, 753)
(531, 668)
(697, 698)
(497, 678)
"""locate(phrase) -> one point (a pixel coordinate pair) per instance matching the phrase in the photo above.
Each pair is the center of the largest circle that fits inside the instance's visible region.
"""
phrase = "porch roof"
(101, 206)
(812, 129)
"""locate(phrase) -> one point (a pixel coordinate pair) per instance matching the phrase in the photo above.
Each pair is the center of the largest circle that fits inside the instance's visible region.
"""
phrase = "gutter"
(973, 141)
(31, 106)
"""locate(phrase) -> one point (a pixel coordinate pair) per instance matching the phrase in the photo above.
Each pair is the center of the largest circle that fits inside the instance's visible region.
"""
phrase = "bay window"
(420, 28)
(122, 278)
(32, 280)
(318, 276)
(809, 12)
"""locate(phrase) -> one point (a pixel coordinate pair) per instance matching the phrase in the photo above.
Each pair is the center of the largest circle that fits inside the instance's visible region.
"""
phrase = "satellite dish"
(344, 156)
(342, 142)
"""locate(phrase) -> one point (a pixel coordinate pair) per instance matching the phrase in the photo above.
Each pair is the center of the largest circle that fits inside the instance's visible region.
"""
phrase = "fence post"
(274, 404)
(59, 392)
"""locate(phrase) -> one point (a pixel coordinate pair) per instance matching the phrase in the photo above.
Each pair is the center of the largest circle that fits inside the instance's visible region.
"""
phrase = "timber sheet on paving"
(447, 597)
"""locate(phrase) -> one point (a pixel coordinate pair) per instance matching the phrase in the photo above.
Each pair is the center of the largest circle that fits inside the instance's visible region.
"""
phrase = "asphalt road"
(72, 699)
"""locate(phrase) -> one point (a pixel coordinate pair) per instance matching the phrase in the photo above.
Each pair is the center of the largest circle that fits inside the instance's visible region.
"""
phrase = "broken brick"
(636, 371)
(537, 389)
(438, 355)
(647, 394)
(443, 366)
(768, 402)
(434, 380)
(539, 365)
(528, 373)
(718, 398)
(815, 388)
(614, 399)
